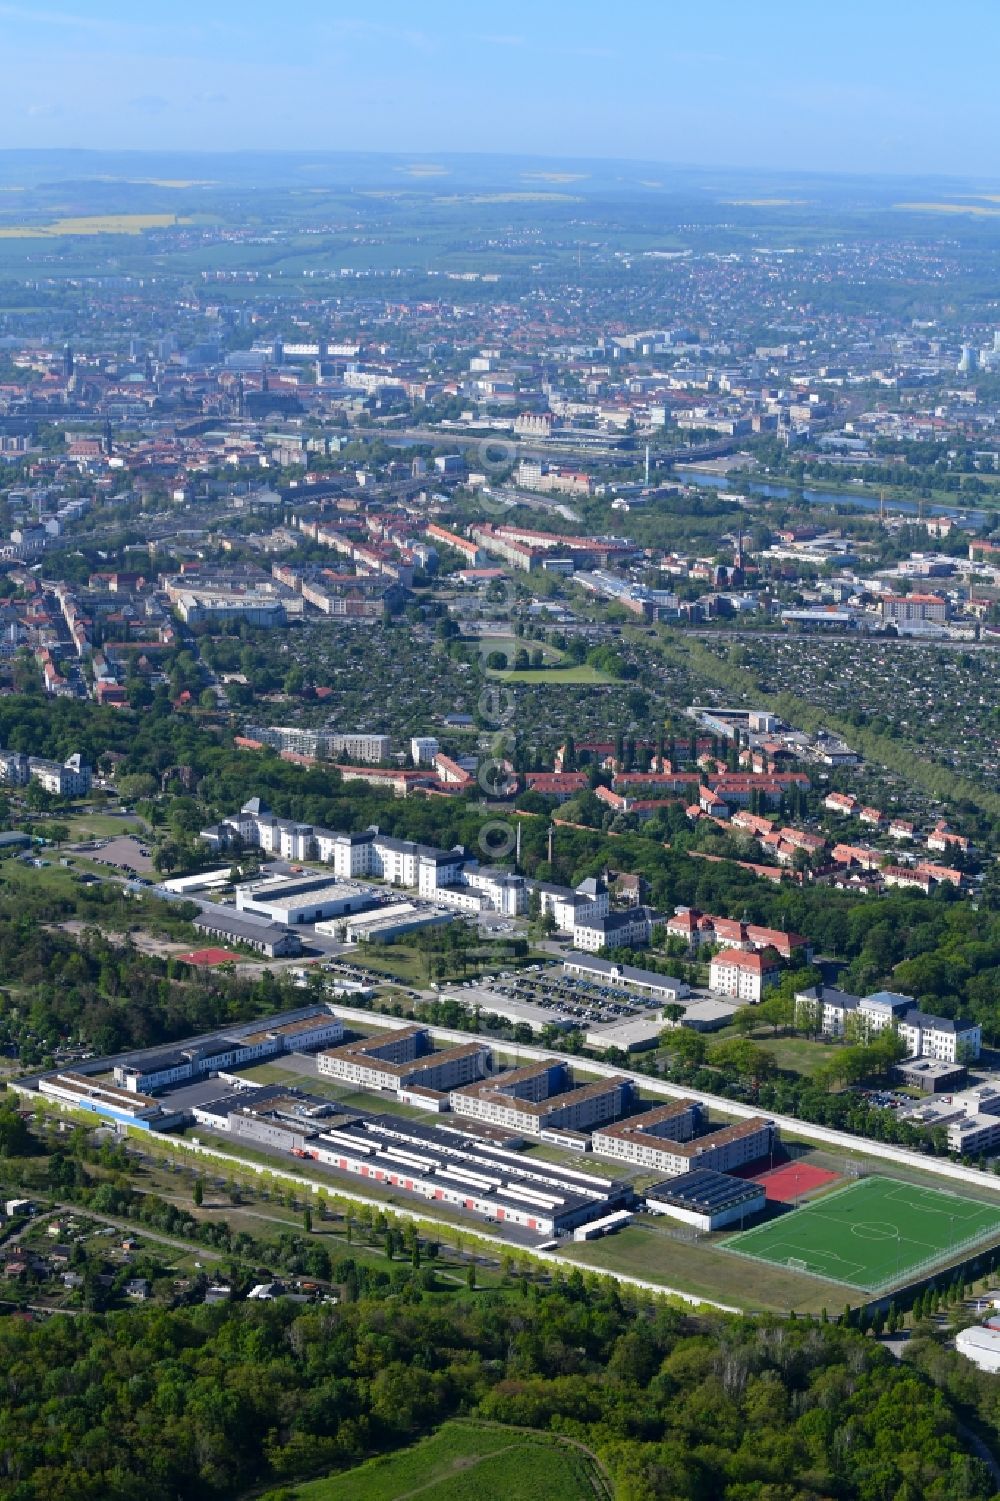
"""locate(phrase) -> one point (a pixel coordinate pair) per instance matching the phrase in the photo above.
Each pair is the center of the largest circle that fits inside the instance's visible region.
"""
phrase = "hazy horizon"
(855, 93)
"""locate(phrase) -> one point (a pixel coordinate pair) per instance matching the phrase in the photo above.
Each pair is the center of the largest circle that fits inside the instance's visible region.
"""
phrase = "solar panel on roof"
(704, 1189)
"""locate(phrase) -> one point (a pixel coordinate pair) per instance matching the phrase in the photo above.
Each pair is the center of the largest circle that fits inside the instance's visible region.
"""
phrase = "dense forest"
(204, 1403)
(101, 992)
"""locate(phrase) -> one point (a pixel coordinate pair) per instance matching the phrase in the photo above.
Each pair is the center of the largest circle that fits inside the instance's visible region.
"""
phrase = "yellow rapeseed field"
(91, 224)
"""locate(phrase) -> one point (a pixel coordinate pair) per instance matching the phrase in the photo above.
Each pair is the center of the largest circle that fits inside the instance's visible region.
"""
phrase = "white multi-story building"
(400, 862)
(371, 748)
(938, 1037)
(350, 855)
(302, 742)
(632, 929)
(503, 892)
(423, 749)
(570, 908)
(743, 976)
(71, 779)
(14, 770)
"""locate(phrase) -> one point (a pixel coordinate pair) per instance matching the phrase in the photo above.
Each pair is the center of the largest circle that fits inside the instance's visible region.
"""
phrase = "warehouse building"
(253, 932)
(309, 900)
(385, 924)
(633, 1035)
(657, 988)
(106, 1100)
(277, 1100)
(706, 1199)
(437, 1165)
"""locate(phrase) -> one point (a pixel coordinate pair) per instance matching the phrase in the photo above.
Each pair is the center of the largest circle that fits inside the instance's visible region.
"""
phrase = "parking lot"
(567, 998)
(124, 853)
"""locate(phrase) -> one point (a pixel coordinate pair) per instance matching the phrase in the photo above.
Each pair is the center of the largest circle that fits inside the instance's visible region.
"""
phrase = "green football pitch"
(872, 1234)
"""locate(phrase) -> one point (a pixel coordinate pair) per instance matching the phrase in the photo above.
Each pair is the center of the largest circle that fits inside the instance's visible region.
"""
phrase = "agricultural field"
(470, 1462)
(91, 224)
(873, 1234)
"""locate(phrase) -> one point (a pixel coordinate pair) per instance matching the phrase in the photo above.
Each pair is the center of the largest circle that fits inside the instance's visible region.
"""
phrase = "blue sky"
(833, 85)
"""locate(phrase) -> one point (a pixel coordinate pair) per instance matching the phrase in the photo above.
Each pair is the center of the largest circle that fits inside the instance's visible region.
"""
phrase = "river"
(845, 498)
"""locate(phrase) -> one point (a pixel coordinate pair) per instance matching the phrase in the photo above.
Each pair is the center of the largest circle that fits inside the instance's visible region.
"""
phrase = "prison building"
(401, 1060)
(726, 1149)
(541, 1101)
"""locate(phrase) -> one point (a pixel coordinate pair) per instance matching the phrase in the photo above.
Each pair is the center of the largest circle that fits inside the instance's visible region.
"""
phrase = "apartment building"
(942, 1038)
(373, 749)
(471, 551)
(631, 929)
(423, 749)
(14, 770)
(72, 778)
(301, 742)
(321, 745)
(571, 908)
(909, 609)
(743, 976)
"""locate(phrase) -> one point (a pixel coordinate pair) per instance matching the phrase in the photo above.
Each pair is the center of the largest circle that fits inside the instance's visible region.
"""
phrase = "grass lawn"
(582, 1162)
(551, 655)
(872, 1234)
(270, 1073)
(351, 1099)
(100, 825)
(54, 879)
(647, 1249)
(406, 964)
(469, 1462)
(800, 1055)
(582, 676)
